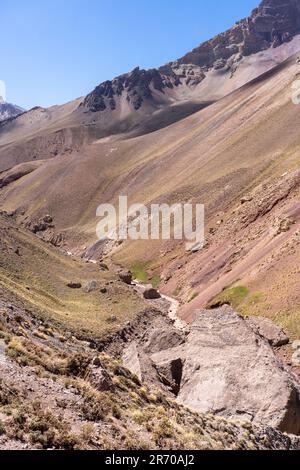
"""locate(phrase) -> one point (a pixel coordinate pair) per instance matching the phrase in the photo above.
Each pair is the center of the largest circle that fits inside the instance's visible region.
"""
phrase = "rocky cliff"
(272, 24)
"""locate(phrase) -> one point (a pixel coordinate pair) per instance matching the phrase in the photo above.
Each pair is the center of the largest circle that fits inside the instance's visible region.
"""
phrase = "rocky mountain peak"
(271, 24)
(8, 111)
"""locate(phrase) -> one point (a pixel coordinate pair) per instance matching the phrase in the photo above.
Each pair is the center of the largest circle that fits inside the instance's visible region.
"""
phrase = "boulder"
(90, 287)
(269, 330)
(48, 219)
(231, 371)
(131, 360)
(169, 369)
(100, 378)
(74, 285)
(126, 277)
(150, 293)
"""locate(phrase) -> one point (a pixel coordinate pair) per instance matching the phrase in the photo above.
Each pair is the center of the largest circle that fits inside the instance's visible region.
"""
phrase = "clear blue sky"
(56, 50)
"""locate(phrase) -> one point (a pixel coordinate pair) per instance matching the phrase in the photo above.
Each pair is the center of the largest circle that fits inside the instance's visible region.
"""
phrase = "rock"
(229, 370)
(112, 319)
(268, 330)
(170, 372)
(90, 287)
(150, 293)
(48, 219)
(103, 290)
(100, 379)
(162, 339)
(74, 285)
(246, 199)
(284, 225)
(296, 345)
(131, 360)
(126, 277)
(96, 362)
(39, 226)
(103, 266)
(296, 358)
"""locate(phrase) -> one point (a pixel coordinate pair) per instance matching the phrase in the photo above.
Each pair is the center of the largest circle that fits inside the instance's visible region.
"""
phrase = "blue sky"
(57, 50)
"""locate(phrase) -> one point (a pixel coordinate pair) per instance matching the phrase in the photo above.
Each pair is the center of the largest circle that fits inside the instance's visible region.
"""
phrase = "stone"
(246, 199)
(162, 339)
(90, 287)
(103, 267)
(170, 373)
(126, 277)
(112, 319)
(150, 293)
(100, 379)
(131, 360)
(74, 285)
(48, 219)
(269, 330)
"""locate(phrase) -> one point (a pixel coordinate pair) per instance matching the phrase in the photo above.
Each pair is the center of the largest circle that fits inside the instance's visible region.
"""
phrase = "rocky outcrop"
(269, 330)
(223, 364)
(273, 23)
(231, 371)
(137, 86)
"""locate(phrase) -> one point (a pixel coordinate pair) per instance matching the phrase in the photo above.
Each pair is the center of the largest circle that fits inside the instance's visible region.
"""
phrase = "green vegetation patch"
(141, 274)
(233, 296)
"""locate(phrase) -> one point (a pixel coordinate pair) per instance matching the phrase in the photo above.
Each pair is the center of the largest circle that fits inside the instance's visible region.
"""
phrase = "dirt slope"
(244, 143)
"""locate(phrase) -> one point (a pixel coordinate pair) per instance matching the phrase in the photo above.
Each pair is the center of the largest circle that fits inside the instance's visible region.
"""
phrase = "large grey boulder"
(229, 369)
(269, 330)
(232, 371)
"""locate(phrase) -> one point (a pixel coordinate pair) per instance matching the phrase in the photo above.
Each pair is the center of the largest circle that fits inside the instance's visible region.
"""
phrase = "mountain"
(160, 135)
(8, 111)
(218, 126)
(272, 25)
(143, 101)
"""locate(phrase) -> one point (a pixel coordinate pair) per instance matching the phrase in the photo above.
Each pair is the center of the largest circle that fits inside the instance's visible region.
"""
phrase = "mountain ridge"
(271, 24)
(9, 111)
